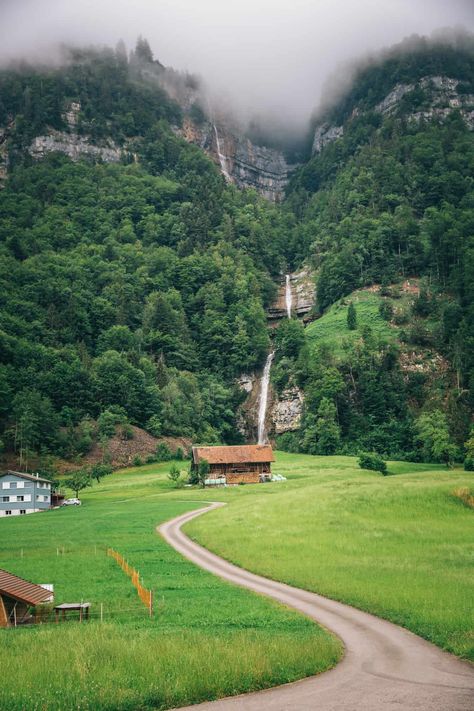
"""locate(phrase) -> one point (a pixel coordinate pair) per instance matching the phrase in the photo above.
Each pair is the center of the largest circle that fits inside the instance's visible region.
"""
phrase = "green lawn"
(207, 639)
(331, 329)
(399, 546)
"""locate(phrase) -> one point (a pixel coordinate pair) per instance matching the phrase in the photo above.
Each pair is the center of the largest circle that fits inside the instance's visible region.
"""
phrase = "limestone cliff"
(302, 297)
(437, 96)
(241, 162)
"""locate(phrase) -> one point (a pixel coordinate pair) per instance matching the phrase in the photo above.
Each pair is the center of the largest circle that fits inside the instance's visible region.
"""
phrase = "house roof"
(19, 589)
(254, 453)
(23, 475)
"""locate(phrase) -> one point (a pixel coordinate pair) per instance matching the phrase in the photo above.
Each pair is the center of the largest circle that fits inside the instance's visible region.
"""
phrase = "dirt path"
(385, 667)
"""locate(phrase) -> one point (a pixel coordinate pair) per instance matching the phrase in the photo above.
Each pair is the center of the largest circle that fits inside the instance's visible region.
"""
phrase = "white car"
(71, 502)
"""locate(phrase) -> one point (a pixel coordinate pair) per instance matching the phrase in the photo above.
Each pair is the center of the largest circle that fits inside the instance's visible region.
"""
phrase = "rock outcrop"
(303, 297)
(74, 146)
(287, 410)
(241, 162)
(441, 95)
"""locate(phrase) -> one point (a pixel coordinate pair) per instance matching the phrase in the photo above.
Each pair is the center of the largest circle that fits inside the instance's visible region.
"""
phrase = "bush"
(469, 464)
(373, 461)
(137, 461)
(174, 475)
(151, 459)
(163, 453)
(179, 454)
(386, 310)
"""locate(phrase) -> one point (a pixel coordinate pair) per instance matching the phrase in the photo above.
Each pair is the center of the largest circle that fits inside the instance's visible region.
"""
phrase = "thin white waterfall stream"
(221, 156)
(262, 407)
(288, 295)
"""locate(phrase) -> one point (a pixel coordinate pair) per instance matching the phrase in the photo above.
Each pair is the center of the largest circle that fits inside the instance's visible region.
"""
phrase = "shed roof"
(23, 475)
(19, 589)
(238, 454)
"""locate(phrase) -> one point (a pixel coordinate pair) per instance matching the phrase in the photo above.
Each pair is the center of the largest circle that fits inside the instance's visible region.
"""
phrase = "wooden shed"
(242, 464)
(17, 596)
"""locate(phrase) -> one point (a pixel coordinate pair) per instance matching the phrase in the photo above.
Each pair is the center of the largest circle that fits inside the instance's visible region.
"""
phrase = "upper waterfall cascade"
(288, 296)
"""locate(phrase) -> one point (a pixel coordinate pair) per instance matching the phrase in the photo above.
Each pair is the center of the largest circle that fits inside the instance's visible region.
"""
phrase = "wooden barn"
(242, 464)
(17, 597)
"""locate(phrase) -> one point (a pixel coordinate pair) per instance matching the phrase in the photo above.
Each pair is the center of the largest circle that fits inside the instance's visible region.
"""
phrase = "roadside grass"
(401, 547)
(207, 638)
(332, 330)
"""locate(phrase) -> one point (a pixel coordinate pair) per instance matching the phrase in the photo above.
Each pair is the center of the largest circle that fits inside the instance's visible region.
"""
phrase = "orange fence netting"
(146, 596)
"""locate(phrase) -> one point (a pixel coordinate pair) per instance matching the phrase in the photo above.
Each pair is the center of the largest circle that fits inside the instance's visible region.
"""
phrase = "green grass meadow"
(207, 638)
(331, 329)
(399, 546)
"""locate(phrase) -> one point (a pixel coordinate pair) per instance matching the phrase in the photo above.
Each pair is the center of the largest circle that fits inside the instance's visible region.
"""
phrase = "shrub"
(386, 310)
(151, 459)
(163, 453)
(469, 464)
(174, 475)
(137, 461)
(373, 461)
(179, 454)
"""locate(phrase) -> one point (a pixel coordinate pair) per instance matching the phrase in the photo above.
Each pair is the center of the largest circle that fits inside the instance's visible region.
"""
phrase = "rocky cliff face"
(73, 145)
(303, 297)
(283, 413)
(440, 96)
(241, 162)
(287, 410)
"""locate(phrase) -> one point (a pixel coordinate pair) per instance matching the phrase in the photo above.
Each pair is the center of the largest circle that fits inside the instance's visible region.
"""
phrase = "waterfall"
(262, 407)
(222, 158)
(288, 296)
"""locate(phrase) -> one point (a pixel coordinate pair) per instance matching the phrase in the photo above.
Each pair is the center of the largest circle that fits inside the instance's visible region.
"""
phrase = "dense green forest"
(135, 292)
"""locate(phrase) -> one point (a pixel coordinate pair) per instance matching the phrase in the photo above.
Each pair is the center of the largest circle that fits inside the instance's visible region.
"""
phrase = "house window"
(20, 485)
(22, 511)
(20, 498)
(8, 513)
(6, 485)
(13, 485)
(5, 498)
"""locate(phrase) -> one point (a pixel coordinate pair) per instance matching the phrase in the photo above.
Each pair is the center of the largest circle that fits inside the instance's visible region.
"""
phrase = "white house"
(23, 494)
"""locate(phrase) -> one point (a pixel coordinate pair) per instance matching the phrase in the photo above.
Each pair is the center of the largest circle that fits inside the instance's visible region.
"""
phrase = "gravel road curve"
(385, 667)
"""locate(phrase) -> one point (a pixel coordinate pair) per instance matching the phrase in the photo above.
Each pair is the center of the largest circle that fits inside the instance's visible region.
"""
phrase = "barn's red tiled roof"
(19, 589)
(239, 454)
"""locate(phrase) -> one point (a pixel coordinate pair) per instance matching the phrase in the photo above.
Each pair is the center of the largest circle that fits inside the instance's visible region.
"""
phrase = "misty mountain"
(138, 260)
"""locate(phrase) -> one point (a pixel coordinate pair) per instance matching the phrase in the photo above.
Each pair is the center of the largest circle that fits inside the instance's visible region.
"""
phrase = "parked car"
(71, 502)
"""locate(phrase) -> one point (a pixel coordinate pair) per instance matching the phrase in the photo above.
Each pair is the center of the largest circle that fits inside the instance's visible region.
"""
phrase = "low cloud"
(267, 57)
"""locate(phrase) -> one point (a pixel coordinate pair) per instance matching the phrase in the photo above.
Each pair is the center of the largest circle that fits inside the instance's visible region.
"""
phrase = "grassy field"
(207, 638)
(331, 329)
(400, 546)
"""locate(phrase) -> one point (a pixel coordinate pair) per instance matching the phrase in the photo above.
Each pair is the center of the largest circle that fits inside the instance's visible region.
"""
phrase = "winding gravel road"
(385, 667)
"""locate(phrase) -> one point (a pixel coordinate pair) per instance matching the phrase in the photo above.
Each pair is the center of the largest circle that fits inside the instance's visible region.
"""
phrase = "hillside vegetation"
(136, 291)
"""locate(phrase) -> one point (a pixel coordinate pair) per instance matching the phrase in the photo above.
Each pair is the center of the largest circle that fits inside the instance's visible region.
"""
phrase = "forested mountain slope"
(135, 286)
(388, 196)
(135, 279)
